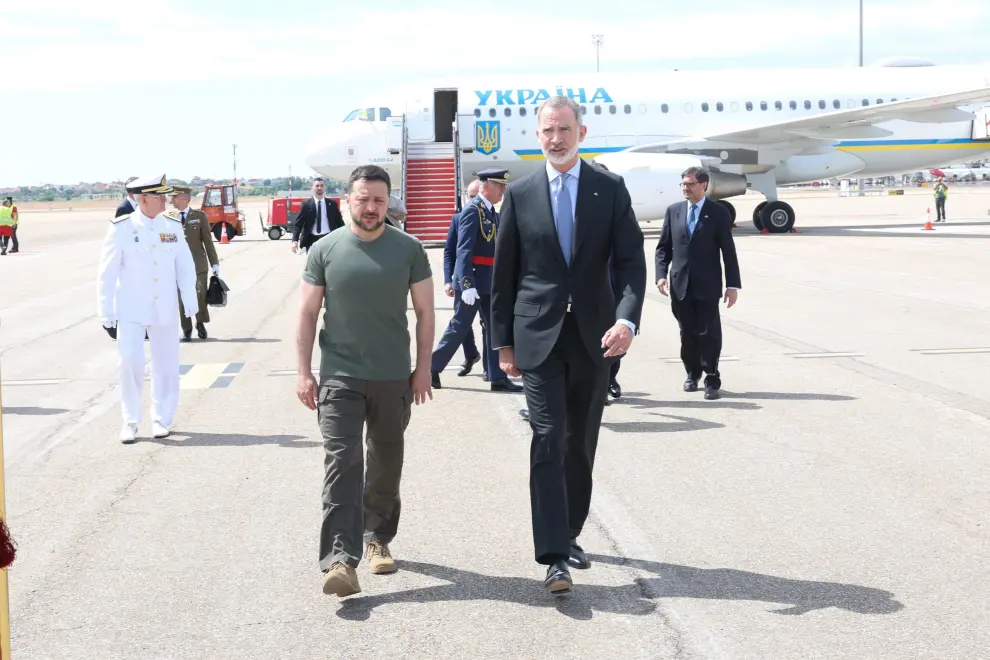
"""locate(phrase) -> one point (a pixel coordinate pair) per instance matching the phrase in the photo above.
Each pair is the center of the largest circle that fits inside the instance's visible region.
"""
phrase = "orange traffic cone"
(928, 221)
(224, 240)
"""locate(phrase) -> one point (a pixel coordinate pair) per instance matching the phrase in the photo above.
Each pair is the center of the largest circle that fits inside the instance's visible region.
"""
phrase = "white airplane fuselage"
(496, 122)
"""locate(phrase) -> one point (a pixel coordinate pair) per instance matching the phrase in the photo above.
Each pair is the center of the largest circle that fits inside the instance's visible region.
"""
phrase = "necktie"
(319, 216)
(565, 218)
(692, 219)
(183, 213)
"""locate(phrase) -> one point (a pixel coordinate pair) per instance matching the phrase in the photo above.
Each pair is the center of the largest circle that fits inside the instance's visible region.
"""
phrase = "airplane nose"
(339, 148)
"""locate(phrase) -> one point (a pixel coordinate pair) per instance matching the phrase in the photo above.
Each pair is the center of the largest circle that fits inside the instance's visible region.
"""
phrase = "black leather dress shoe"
(484, 376)
(614, 389)
(468, 365)
(711, 393)
(558, 581)
(505, 385)
(201, 330)
(435, 380)
(524, 413)
(578, 559)
(691, 385)
(186, 336)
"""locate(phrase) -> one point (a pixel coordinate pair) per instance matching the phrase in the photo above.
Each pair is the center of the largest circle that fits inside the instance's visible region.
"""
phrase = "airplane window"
(584, 110)
(807, 105)
(836, 104)
(611, 109)
(352, 115)
(879, 100)
(749, 105)
(598, 109)
(793, 105)
(508, 112)
(763, 105)
(491, 112)
(522, 112)
(383, 114)
(865, 102)
(821, 104)
(664, 108)
(778, 105)
(627, 109)
(704, 107)
(893, 100)
(477, 112)
(719, 106)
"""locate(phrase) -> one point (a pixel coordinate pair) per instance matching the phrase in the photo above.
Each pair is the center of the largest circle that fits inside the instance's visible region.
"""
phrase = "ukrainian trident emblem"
(486, 138)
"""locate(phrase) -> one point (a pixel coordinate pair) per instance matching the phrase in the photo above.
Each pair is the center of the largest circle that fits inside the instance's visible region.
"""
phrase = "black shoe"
(505, 385)
(608, 401)
(524, 413)
(484, 376)
(558, 581)
(187, 336)
(578, 559)
(691, 384)
(435, 380)
(468, 365)
(201, 330)
(614, 389)
(711, 393)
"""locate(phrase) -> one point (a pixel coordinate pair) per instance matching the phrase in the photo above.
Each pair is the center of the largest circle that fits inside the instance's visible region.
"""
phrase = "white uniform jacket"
(141, 263)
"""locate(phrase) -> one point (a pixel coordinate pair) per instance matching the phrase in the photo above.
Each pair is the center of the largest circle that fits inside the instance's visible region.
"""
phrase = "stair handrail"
(405, 155)
(457, 168)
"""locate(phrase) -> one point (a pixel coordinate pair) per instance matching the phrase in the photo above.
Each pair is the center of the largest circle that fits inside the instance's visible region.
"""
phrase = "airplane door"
(393, 136)
(419, 118)
(466, 133)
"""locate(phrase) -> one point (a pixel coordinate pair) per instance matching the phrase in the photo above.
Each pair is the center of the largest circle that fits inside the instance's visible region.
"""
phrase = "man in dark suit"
(555, 321)
(694, 233)
(318, 216)
(129, 205)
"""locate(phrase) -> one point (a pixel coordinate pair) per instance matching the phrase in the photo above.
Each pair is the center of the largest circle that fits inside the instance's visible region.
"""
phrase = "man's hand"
(617, 340)
(449, 290)
(507, 360)
(295, 248)
(421, 385)
(470, 296)
(730, 297)
(307, 389)
(664, 287)
(216, 269)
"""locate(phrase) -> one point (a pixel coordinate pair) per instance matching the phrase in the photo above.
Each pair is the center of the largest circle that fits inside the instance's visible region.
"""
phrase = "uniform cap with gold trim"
(494, 174)
(182, 190)
(154, 185)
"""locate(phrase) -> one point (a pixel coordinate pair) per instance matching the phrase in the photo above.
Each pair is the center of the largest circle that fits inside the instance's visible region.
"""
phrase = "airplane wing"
(855, 123)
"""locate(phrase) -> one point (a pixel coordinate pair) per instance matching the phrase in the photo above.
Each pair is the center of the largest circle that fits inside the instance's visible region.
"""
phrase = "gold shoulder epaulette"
(173, 215)
(121, 218)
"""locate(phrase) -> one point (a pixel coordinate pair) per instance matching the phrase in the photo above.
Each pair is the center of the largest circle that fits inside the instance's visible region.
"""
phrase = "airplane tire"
(757, 222)
(730, 208)
(777, 217)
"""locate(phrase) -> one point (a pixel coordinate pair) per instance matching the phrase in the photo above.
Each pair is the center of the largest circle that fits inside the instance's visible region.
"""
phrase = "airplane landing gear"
(757, 222)
(776, 217)
(731, 209)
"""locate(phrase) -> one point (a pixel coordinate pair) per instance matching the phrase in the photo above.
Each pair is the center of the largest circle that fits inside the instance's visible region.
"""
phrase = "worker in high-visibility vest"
(941, 192)
(6, 220)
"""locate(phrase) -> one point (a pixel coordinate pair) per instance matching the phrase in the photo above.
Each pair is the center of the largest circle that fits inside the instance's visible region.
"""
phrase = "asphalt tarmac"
(831, 505)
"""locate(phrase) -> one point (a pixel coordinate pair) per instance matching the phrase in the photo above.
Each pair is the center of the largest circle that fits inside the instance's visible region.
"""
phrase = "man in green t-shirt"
(363, 273)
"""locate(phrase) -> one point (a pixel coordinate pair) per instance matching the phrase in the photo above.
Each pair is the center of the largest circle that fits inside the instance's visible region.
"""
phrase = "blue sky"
(102, 90)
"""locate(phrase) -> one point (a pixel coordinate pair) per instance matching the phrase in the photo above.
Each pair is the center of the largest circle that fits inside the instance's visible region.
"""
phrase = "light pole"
(235, 165)
(861, 32)
(597, 40)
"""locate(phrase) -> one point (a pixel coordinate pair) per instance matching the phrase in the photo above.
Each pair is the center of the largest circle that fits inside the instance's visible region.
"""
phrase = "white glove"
(107, 323)
(470, 296)
(216, 269)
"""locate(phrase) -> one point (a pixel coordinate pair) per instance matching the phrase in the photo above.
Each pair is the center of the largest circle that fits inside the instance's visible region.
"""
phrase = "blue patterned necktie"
(565, 218)
(692, 219)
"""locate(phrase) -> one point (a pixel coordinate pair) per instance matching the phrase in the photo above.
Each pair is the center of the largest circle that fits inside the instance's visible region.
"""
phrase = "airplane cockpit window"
(383, 114)
(361, 114)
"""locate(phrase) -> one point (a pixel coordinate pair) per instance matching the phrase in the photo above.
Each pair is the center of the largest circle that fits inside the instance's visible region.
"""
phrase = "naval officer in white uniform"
(144, 257)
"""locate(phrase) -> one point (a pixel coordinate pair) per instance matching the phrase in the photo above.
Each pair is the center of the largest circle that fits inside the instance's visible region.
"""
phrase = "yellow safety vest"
(6, 216)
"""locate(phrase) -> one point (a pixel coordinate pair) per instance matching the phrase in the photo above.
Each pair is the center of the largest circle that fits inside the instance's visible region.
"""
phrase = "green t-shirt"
(366, 287)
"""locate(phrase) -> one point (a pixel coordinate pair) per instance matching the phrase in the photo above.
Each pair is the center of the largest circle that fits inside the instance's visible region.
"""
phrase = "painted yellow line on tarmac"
(34, 381)
(202, 376)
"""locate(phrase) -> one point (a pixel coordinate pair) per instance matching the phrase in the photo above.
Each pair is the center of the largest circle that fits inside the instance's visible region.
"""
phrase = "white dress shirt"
(142, 260)
(322, 224)
(572, 190)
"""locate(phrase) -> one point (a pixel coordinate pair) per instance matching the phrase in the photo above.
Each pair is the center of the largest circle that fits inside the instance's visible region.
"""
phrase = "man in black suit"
(129, 205)
(694, 233)
(554, 321)
(318, 216)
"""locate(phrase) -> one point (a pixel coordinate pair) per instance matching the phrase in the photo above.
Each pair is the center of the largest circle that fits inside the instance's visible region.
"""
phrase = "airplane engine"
(654, 180)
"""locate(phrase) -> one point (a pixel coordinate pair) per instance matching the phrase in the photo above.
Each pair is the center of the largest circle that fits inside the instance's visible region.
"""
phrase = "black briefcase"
(216, 292)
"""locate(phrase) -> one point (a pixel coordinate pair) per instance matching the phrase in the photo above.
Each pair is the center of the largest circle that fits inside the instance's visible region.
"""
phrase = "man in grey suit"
(555, 321)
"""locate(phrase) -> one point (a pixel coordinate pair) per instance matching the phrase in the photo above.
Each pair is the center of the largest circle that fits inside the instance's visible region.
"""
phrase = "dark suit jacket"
(302, 231)
(450, 251)
(532, 280)
(125, 207)
(694, 262)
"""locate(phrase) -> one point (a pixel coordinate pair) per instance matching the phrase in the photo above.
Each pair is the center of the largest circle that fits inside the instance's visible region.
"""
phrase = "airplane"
(750, 129)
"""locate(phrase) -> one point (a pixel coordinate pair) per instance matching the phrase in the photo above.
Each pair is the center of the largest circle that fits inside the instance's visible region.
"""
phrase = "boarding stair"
(430, 189)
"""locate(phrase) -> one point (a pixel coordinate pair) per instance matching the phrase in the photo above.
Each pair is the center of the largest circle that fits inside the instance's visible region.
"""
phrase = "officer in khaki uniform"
(200, 240)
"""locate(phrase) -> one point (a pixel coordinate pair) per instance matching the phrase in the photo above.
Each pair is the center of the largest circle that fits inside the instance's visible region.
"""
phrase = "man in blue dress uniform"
(471, 354)
(477, 226)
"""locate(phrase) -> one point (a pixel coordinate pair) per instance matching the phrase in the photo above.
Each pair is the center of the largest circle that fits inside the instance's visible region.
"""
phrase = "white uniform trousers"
(164, 340)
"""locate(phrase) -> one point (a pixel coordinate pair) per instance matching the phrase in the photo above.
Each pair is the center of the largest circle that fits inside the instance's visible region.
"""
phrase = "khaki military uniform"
(200, 240)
